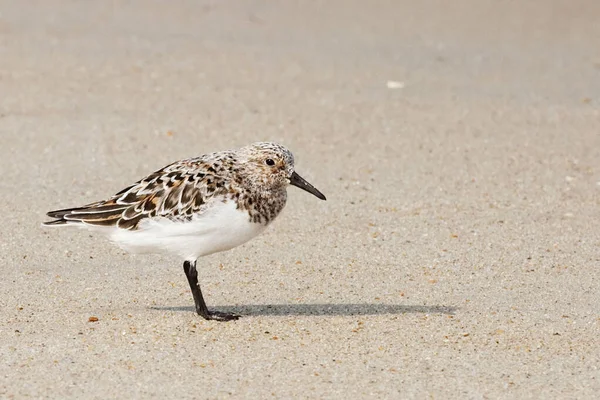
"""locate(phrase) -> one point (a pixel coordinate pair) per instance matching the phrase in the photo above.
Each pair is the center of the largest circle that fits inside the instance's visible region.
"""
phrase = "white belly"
(220, 227)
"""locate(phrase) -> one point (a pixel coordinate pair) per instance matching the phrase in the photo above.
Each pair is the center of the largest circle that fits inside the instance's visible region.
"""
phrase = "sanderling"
(196, 207)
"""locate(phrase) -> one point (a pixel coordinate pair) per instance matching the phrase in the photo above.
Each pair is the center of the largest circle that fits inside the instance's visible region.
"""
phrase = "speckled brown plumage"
(187, 187)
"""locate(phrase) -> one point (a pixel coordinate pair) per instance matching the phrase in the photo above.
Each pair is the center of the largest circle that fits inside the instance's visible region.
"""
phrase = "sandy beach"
(457, 254)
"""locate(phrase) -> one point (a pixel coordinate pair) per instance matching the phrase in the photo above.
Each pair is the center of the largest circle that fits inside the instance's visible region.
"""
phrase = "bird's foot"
(220, 316)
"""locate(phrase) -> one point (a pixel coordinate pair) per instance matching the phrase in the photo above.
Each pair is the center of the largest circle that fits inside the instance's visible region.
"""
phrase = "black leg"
(192, 275)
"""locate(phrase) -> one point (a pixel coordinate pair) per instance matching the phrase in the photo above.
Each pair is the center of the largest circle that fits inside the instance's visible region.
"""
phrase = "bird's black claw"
(221, 316)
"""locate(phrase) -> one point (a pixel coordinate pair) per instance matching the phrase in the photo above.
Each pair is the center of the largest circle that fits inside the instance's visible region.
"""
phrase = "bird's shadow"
(322, 309)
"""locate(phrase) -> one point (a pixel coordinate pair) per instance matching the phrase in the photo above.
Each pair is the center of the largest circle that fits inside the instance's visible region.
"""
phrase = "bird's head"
(272, 167)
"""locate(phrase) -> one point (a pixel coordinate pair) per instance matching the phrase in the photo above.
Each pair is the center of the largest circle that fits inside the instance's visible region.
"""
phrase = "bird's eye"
(269, 162)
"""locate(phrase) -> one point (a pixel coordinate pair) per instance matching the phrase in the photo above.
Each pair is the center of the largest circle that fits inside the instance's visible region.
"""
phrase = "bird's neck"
(263, 206)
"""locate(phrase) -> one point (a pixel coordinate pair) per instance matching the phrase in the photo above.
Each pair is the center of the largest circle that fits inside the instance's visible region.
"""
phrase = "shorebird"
(196, 207)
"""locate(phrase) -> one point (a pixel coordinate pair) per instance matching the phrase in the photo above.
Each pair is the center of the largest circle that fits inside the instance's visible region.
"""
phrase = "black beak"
(299, 181)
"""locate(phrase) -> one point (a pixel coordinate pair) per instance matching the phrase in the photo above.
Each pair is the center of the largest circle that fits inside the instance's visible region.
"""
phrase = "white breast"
(220, 227)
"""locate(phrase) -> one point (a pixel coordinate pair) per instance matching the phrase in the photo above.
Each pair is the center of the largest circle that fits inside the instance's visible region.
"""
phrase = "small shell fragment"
(395, 85)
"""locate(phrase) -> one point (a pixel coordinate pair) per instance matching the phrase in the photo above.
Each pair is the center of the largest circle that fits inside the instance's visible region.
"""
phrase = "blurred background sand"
(458, 145)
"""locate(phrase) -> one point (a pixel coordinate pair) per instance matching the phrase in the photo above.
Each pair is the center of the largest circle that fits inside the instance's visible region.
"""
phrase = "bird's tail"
(60, 216)
(100, 214)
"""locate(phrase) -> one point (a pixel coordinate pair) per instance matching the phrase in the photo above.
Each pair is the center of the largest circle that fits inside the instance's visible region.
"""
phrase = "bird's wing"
(176, 191)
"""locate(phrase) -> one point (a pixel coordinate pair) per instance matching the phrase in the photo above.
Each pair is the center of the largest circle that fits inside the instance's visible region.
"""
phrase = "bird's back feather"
(176, 192)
